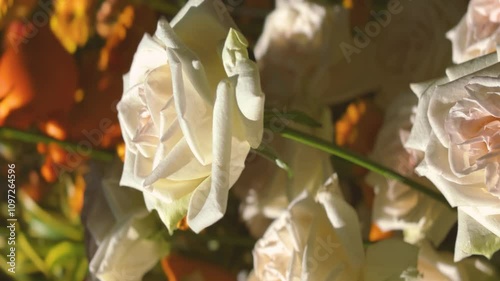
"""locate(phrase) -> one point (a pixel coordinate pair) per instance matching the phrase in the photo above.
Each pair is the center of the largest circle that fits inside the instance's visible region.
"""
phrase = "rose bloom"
(315, 239)
(191, 111)
(123, 240)
(296, 44)
(457, 126)
(478, 33)
(319, 238)
(397, 206)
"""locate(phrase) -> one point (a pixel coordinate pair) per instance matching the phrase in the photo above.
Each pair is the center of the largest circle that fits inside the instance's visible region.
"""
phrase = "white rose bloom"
(439, 266)
(457, 126)
(127, 239)
(297, 44)
(315, 239)
(191, 111)
(320, 239)
(478, 33)
(397, 206)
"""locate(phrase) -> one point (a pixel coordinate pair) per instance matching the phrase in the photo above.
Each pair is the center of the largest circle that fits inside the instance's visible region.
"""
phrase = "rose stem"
(9, 133)
(359, 160)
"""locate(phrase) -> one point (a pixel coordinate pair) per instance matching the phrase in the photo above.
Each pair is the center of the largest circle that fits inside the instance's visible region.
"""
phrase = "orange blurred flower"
(376, 234)
(126, 34)
(34, 187)
(54, 130)
(76, 194)
(56, 161)
(347, 4)
(358, 127)
(179, 268)
(120, 151)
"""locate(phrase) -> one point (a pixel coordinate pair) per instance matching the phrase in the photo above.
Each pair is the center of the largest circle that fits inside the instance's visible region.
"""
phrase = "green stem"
(9, 133)
(358, 160)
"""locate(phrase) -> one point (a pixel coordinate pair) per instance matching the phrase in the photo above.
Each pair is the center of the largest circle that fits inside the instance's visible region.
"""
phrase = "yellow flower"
(71, 23)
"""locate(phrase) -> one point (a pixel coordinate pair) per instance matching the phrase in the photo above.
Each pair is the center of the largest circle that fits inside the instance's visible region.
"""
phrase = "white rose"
(128, 240)
(191, 111)
(315, 239)
(397, 206)
(457, 127)
(297, 47)
(478, 33)
(319, 239)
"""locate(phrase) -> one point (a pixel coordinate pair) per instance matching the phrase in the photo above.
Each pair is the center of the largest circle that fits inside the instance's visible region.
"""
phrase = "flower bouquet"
(250, 140)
